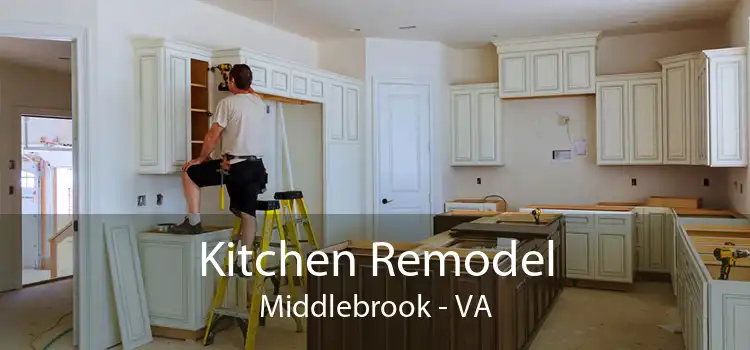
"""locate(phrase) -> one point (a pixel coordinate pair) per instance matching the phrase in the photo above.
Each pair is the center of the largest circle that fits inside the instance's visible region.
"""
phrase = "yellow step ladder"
(248, 321)
(289, 200)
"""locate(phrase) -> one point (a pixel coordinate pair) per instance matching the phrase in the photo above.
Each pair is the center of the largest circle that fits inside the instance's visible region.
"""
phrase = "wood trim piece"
(545, 97)
(269, 97)
(43, 209)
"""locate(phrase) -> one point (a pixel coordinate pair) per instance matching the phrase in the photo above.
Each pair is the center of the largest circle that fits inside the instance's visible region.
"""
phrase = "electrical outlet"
(633, 182)
(479, 181)
(706, 182)
(159, 198)
(142, 200)
(562, 120)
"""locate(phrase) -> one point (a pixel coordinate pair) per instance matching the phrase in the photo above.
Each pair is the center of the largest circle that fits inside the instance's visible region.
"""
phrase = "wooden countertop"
(613, 206)
(580, 207)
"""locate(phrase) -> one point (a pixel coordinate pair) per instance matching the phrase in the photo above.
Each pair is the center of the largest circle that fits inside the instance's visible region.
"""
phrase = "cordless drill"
(728, 257)
(537, 214)
(224, 68)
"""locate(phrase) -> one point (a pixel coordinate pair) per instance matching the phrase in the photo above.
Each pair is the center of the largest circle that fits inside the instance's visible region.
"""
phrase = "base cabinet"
(177, 293)
(599, 244)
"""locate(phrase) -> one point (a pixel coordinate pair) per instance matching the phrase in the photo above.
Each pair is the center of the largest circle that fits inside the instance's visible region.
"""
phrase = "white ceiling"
(36, 53)
(465, 23)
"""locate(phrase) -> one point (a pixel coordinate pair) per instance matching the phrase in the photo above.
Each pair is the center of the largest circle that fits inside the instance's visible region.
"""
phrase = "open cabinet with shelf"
(200, 114)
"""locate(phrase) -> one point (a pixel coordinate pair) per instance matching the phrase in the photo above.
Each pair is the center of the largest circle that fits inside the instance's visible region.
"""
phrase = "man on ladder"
(238, 122)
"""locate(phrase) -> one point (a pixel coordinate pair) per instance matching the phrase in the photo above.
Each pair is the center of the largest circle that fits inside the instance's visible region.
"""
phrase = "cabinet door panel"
(352, 113)
(611, 259)
(579, 69)
(462, 125)
(178, 109)
(657, 243)
(612, 123)
(336, 112)
(487, 128)
(546, 75)
(646, 121)
(514, 71)
(577, 252)
(149, 70)
(677, 113)
(727, 89)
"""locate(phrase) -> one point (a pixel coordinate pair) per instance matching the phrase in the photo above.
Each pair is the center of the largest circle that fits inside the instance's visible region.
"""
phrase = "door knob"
(386, 201)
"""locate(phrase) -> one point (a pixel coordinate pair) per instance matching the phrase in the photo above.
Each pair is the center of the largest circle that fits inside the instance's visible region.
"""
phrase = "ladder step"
(232, 313)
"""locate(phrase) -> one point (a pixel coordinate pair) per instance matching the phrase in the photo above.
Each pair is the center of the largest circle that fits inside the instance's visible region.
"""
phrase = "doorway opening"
(46, 198)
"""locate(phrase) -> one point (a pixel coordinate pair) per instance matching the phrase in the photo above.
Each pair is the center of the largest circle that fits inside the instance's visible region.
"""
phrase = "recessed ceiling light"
(354, 30)
(407, 27)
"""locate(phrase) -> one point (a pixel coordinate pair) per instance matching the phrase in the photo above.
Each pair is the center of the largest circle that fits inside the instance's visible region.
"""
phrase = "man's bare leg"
(192, 225)
(193, 197)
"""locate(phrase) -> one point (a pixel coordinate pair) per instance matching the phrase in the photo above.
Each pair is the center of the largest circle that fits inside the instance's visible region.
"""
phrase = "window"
(28, 180)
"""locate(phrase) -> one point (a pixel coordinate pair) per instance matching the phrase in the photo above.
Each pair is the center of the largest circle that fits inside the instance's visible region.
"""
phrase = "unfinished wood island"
(516, 305)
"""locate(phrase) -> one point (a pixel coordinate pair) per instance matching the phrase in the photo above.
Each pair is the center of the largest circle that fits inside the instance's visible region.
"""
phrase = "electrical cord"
(31, 343)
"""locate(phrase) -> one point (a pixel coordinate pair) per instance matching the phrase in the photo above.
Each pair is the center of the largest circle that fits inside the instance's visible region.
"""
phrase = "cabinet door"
(613, 245)
(578, 252)
(149, 73)
(335, 111)
(677, 113)
(612, 122)
(657, 252)
(514, 75)
(461, 127)
(579, 70)
(700, 116)
(727, 83)
(487, 127)
(546, 72)
(645, 121)
(178, 109)
(352, 112)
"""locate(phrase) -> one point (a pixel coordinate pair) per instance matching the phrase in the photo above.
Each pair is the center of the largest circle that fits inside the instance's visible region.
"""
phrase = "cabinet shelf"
(198, 110)
(196, 85)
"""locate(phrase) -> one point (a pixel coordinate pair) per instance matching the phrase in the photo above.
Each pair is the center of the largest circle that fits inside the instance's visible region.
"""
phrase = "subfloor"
(581, 319)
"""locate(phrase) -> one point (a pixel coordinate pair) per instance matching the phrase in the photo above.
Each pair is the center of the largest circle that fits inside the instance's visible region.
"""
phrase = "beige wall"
(532, 132)
(737, 30)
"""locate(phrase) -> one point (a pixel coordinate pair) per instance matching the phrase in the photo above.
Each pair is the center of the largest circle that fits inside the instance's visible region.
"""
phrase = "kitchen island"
(499, 311)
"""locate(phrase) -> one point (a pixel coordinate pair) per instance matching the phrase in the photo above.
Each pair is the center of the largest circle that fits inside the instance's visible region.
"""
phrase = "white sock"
(194, 219)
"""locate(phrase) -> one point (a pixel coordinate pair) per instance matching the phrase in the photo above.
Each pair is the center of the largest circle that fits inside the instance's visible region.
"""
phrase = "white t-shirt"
(242, 117)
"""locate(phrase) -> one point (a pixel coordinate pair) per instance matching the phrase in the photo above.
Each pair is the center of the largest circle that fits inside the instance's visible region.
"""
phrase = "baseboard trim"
(649, 276)
(604, 285)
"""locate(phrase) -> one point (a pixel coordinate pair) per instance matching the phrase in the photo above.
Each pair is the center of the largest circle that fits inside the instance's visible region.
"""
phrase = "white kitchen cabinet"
(599, 244)
(705, 108)
(164, 98)
(476, 125)
(547, 66)
(177, 292)
(629, 119)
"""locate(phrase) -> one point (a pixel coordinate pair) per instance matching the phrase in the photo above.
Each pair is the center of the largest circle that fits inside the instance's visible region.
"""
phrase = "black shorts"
(245, 181)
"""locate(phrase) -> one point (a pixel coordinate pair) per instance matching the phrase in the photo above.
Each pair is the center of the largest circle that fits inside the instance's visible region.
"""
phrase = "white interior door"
(402, 114)
(31, 219)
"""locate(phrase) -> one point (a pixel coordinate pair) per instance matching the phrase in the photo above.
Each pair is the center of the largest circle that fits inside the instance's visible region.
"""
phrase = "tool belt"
(230, 157)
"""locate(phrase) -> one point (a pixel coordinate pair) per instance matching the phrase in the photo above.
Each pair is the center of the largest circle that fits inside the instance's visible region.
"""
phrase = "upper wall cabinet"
(476, 125)
(629, 119)
(273, 77)
(705, 108)
(548, 66)
(171, 103)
